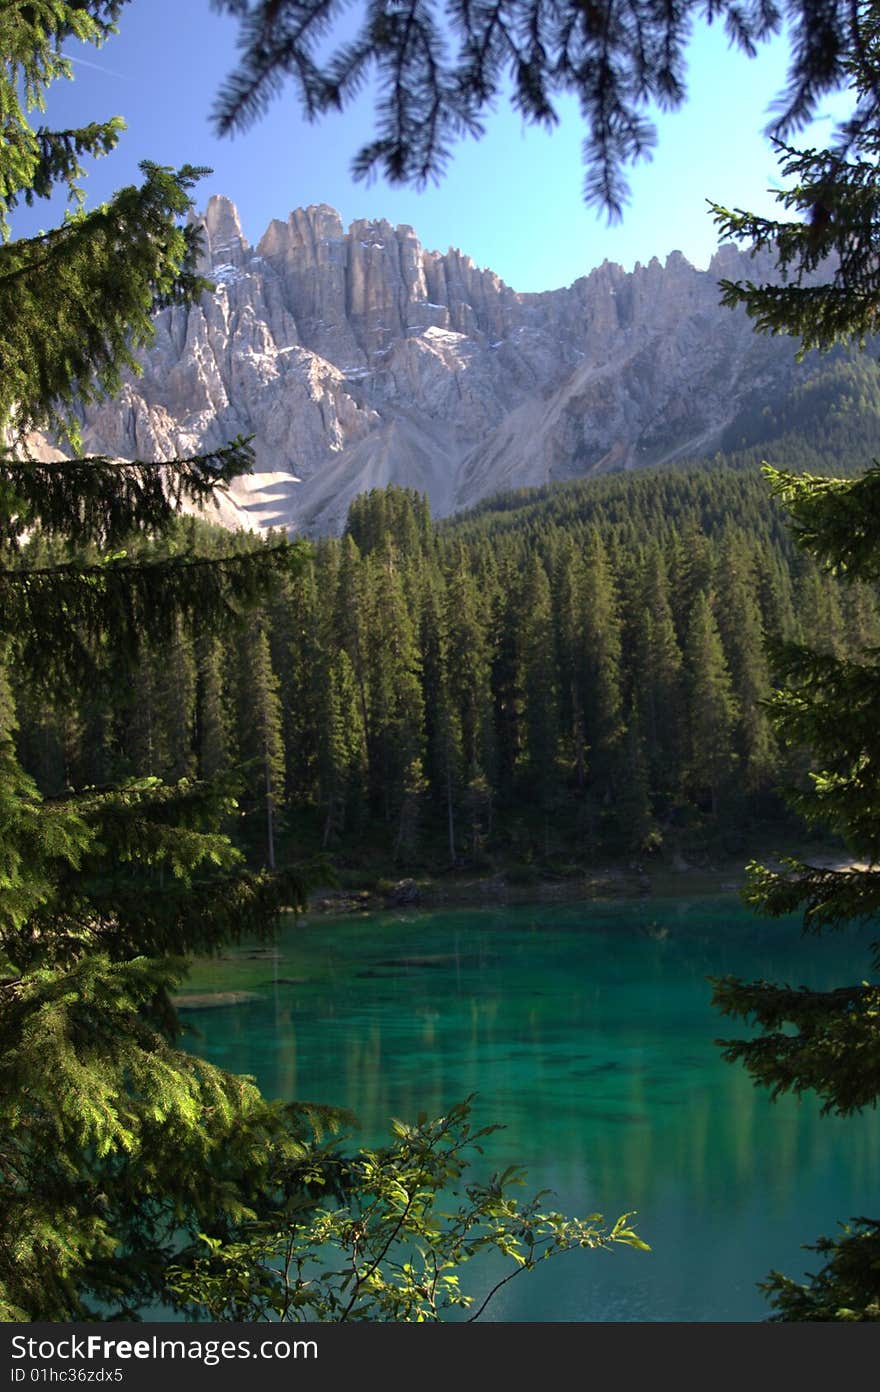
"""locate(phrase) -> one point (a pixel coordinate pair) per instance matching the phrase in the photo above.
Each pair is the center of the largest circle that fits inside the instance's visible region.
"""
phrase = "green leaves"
(393, 1250)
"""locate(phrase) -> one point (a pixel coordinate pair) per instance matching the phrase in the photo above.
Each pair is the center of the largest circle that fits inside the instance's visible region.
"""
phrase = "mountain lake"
(586, 1029)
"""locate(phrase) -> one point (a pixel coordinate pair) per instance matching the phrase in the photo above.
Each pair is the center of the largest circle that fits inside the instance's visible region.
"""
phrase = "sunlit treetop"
(35, 160)
(826, 244)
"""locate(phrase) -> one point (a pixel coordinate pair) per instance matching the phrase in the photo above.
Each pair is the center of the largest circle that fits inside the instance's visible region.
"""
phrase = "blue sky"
(512, 201)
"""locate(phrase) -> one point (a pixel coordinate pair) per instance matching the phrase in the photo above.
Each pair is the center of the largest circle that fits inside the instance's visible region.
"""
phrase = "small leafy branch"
(393, 1248)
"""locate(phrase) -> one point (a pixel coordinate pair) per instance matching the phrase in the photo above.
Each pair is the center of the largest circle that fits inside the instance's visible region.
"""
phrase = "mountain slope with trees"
(554, 679)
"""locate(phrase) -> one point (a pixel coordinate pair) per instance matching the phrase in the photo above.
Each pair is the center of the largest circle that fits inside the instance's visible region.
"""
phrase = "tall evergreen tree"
(658, 673)
(395, 738)
(539, 686)
(710, 705)
(297, 640)
(443, 742)
(506, 680)
(342, 749)
(213, 733)
(826, 1041)
(638, 829)
(743, 639)
(600, 658)
(261, 742)
(177, 696)
(350, 623)
(467, 663)
(118, 1148)
(566, 612)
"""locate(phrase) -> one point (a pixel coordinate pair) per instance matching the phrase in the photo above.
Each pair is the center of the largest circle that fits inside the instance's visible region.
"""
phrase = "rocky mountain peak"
(226, 243)
(357, 358)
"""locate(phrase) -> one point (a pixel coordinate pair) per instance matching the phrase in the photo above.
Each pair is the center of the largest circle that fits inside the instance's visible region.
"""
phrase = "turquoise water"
(587, 1030)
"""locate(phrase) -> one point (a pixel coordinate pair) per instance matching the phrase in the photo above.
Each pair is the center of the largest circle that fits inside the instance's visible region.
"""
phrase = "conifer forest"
(203, 730)
(544, 680)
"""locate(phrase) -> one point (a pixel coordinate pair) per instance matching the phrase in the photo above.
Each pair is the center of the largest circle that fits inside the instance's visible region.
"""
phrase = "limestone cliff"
(357, 359)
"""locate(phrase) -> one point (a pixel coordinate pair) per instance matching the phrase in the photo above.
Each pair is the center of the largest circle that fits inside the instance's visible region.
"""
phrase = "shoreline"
(610, 881)
(605, 882)
(232, 977)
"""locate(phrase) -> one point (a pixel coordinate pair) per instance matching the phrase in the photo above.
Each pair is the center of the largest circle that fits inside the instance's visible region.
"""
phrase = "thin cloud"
(98, 67)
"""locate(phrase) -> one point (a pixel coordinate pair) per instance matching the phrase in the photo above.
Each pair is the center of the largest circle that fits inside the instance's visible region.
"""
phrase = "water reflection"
(588, 1032)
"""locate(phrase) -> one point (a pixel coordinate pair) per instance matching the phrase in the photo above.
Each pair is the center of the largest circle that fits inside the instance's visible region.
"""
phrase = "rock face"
(357, 359)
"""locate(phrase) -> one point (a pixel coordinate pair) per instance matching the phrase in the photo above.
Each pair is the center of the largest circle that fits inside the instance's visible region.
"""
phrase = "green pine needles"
(438, 69)
(825, 1042)
(117, 1147)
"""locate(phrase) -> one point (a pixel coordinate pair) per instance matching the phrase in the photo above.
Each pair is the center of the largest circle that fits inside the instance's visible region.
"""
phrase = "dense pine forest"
(559, 676)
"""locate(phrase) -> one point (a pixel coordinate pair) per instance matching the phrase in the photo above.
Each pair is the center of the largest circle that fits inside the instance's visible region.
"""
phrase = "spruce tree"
(566, 613)
(638, 830)
(825, 1042)
(711, 709)
(342, 749)
(395, 700)
(213, 734)
(658, 674)
(599, 664)
(118, 1148)
(467, 664)
(506, 679)
(300, 663)
(349, 624)
(539, 686)
(743, 639)
(443, 741)
(261, 743)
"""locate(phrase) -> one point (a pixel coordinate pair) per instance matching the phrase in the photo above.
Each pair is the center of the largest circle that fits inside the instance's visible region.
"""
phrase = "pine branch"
(136, 916)
(439, 67)
(827, 1042)
(31, 39)
(101, 616)
(75, 309)
(58, 161)
(837, 520)
(845, 1287)
(100, 501)
(828, 899)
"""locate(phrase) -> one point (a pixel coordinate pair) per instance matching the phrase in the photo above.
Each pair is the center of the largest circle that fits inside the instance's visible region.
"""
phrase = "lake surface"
(587, 1030)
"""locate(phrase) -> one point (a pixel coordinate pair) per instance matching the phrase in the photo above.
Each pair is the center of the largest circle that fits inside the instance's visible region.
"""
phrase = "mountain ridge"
(357, 359)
